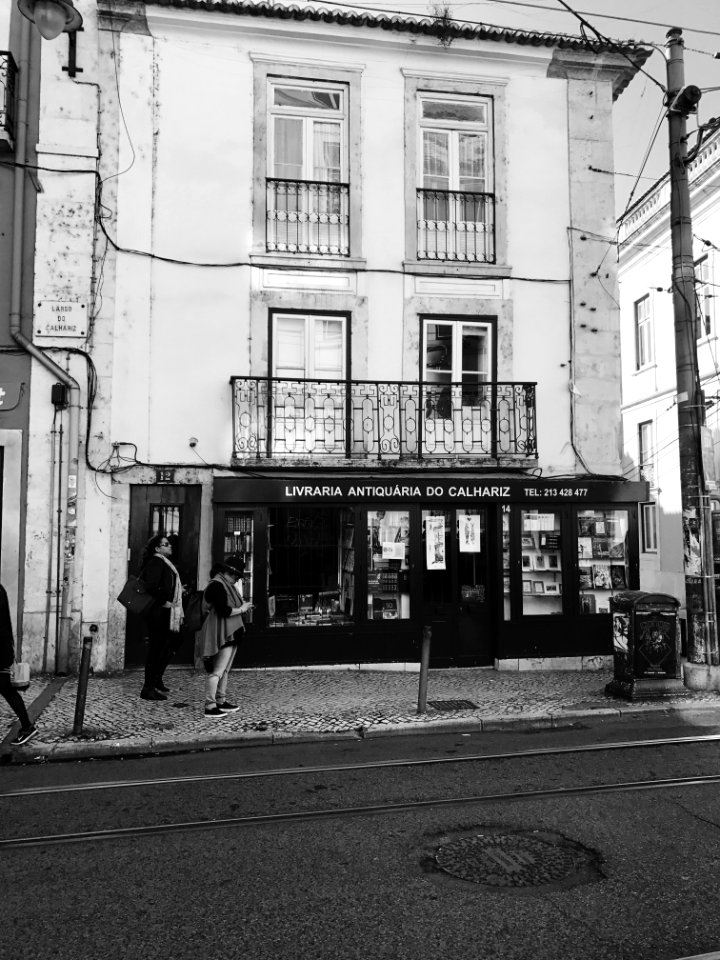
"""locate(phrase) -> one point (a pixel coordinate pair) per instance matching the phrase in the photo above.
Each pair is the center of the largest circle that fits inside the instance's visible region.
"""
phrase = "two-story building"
(344, 316)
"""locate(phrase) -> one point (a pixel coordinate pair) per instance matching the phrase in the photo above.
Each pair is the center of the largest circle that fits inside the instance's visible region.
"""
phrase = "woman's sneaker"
(23, 736)
(227, 707)
(214, 712)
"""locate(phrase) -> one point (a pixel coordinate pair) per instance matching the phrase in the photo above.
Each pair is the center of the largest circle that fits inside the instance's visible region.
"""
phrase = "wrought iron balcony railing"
(456, 225)
(308, 216)
(388, 421)
(8, 75)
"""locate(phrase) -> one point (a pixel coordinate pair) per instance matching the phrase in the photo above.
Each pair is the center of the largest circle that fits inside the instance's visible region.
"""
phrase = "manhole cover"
(452, 704)
(510, 860)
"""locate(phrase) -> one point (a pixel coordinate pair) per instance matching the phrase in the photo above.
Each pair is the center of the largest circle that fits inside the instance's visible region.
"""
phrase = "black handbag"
(134, 596)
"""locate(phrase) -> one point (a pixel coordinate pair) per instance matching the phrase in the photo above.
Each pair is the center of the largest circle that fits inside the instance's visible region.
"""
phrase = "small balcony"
(400, 421)
(456, 226)
(8, 76)
(308, 216)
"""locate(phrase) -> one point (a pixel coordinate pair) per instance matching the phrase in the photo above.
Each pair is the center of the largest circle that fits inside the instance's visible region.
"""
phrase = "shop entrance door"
(175, 512)
(455, 586)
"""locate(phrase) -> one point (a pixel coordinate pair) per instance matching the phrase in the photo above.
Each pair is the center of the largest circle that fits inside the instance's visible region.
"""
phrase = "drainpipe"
(63, 640)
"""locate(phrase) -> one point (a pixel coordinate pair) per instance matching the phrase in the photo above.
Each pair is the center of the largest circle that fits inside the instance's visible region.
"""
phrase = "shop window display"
(311, 567)
(541, 561)
(602, 558)
(388, 556)
(238, 539)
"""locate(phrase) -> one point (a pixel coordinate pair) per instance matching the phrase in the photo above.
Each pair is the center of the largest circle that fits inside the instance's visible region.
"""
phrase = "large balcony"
(400, 421)
(456, 226)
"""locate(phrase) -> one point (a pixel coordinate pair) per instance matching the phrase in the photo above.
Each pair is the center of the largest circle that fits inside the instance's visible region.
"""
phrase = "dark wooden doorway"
(175, 512)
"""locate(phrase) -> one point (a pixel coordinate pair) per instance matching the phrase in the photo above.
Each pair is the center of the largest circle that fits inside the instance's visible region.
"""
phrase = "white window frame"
(458, 326)
(308, 117)
(310, 344)
(644, 352)
(648, 527)
(454, 128)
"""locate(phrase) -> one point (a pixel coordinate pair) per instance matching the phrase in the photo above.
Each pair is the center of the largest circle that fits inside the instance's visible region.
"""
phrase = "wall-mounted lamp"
(53, 17)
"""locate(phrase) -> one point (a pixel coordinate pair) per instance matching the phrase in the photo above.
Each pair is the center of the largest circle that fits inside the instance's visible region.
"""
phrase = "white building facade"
(324, 281)
(650, 425)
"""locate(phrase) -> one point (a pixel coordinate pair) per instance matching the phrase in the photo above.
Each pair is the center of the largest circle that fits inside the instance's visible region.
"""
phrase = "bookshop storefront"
(350, 570)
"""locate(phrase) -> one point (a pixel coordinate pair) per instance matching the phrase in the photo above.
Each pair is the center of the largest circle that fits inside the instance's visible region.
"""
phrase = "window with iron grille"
(307, 184)
(455, 189)
(703, 298)
(643, 333)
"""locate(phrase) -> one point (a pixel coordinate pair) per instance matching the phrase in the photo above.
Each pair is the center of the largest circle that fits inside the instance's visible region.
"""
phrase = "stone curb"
(473, 724)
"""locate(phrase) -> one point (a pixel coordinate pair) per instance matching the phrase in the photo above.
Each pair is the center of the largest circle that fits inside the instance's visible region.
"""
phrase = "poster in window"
(469, 533)
(601, 577)
(435, 543)
(585, 547)
(617, 576)
(393, 551)
(586, 577)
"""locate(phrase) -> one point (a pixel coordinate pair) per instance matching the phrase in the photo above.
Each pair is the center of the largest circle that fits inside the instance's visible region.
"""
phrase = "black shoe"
(227, 707)
(162, 688)
(214, 712)
(147, 693)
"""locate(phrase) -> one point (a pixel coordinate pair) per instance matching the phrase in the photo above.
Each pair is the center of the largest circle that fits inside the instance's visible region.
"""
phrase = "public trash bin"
(646, 645)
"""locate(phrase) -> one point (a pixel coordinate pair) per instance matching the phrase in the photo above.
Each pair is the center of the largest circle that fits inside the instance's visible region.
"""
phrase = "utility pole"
(702, 640)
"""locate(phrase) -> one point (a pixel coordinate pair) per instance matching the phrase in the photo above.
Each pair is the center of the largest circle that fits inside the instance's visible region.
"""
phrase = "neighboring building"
(343, 317)
(650, 423)
(19, 79)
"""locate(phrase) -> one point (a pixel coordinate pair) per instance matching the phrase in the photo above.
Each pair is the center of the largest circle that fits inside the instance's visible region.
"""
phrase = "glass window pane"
(288, 159)
(289, 353)
(388, 565)
(307, 98)
(461, 111)
(311, 567)
(436, 164)
(506, 563)
(474, 352)
(471, 156)
(326, 152)
(541, 559)
(602, 558)
(328, 348)
(648, 523)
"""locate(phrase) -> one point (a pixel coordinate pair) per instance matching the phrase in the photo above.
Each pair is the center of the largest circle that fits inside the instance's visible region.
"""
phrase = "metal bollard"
(82, 686)
(424, 665)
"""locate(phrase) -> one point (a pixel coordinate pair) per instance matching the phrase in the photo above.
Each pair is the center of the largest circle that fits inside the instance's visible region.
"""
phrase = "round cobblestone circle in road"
(507, 860)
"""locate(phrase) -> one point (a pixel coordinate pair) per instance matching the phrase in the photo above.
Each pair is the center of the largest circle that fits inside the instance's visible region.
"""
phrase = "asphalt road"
(367, 885)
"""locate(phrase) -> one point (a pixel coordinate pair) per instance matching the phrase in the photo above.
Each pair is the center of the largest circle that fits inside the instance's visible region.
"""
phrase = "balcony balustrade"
(456, 225)
(8, 75)
(308, 216)
(292, 419)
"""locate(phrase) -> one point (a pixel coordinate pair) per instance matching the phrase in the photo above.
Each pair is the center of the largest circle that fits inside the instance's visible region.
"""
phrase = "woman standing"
(7, 658)
(222, 631)
(163, 617)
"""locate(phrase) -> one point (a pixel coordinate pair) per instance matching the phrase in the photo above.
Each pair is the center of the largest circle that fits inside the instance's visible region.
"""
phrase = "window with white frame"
(307, 174)
(308, 392)
(703, 298)
(646, 452)
(643, 333)
(648, 527)
(456, 204)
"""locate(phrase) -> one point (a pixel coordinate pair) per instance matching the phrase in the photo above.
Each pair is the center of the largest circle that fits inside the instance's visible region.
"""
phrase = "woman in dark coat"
(163, 617)
(7, 658)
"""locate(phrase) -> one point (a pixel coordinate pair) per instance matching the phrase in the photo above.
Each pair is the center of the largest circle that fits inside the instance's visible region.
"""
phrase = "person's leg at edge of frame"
(17, 705)
(222, 658)
(220, 693)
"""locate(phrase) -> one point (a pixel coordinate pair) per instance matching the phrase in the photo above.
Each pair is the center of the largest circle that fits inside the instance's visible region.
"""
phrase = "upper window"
(456, 204)
(643, 333)
(307, 176)
(308, 347)
(703, 298)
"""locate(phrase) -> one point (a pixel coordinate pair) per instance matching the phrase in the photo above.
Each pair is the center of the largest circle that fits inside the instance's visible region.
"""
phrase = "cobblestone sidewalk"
(310, 704)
